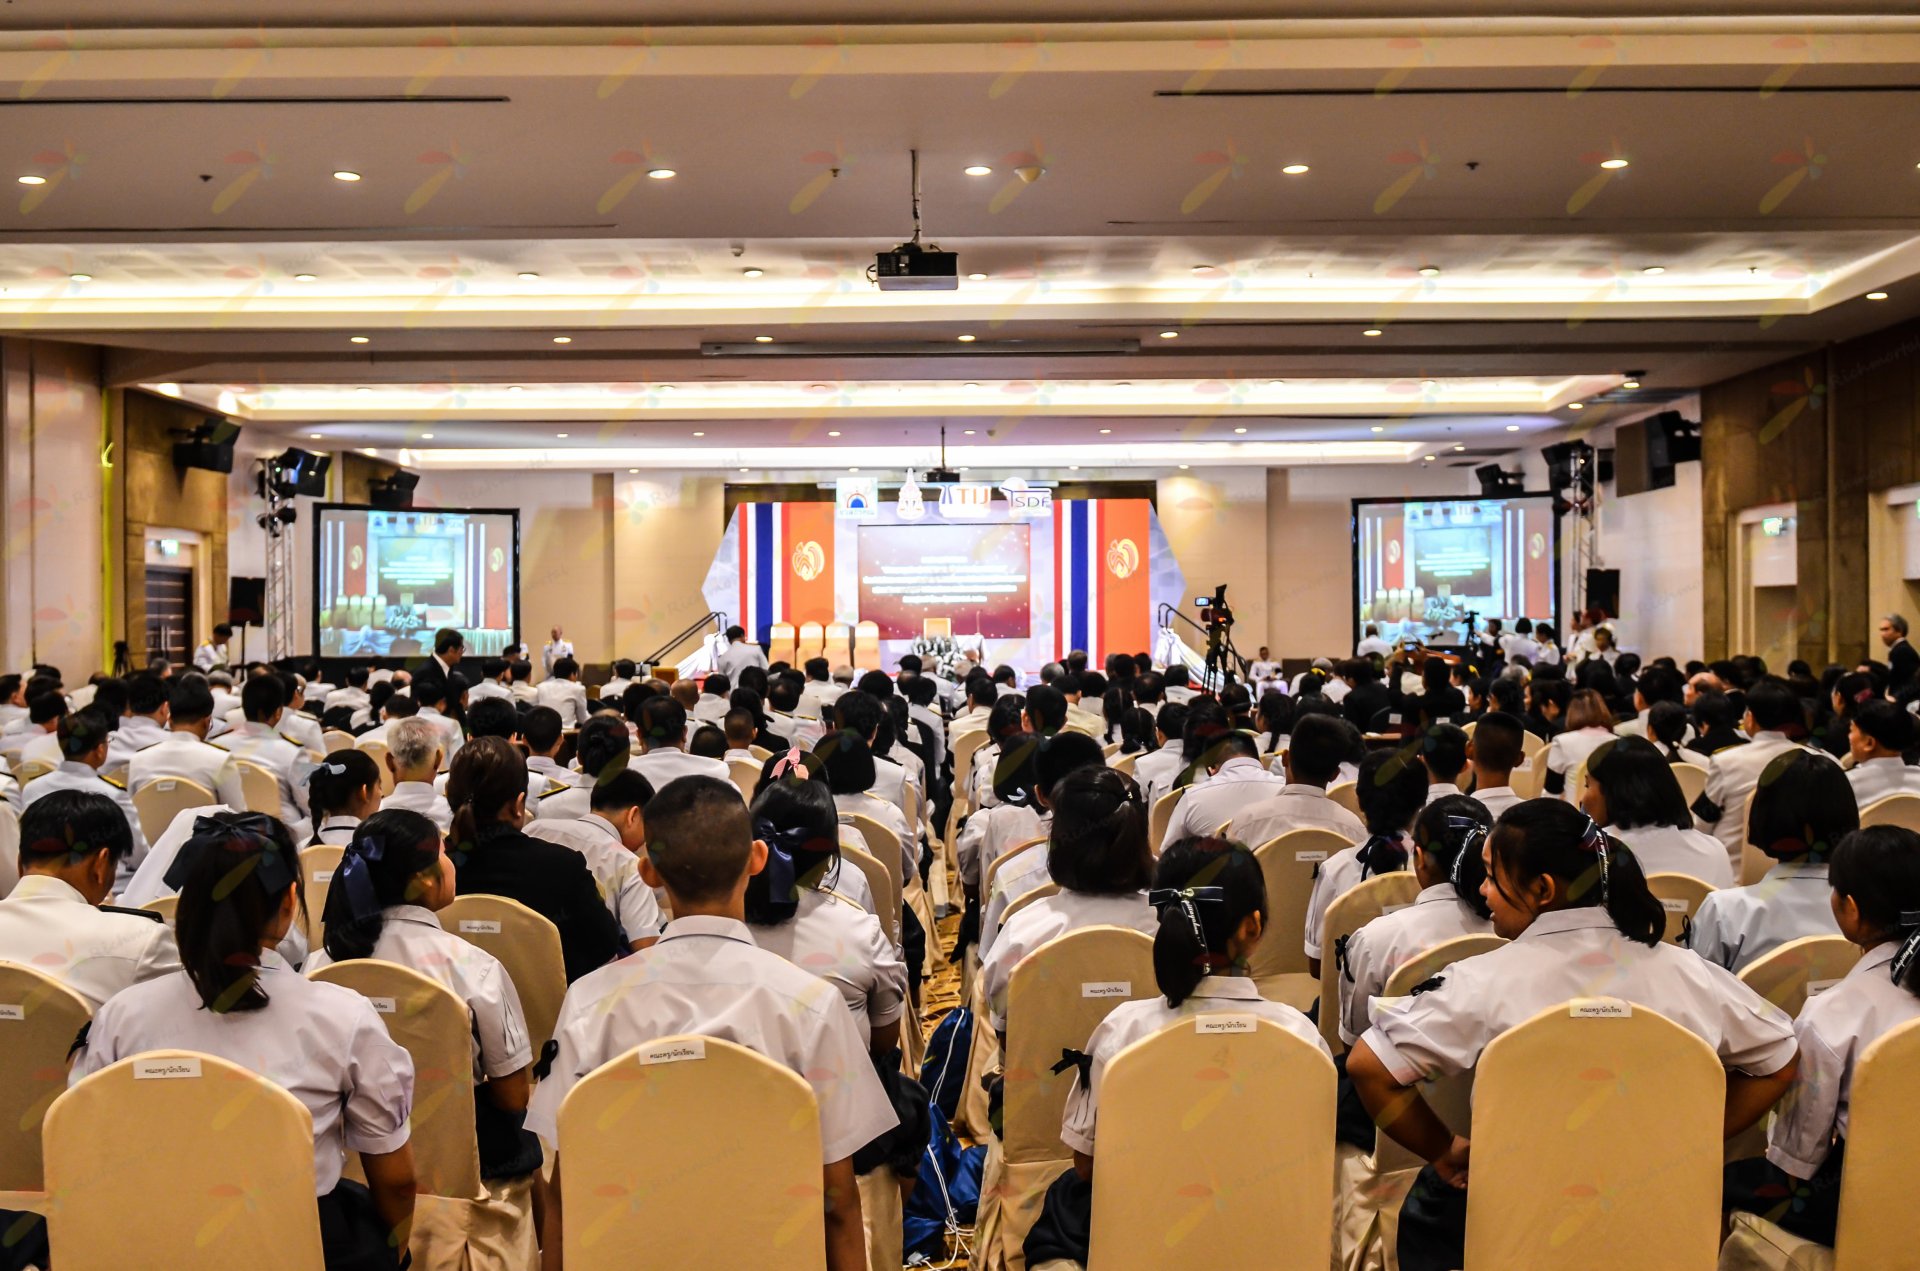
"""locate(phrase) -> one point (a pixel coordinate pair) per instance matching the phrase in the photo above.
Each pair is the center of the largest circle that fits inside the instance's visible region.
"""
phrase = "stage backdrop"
(1090, 575)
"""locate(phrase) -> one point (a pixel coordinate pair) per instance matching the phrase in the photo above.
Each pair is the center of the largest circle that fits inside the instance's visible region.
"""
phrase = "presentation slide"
(1422, 568)
(976, 575)
(384, 582)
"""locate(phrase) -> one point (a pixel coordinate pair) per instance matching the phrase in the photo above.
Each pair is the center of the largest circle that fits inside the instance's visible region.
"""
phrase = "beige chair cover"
(377, 751)
(1161, 816)
(1692, 778)
(880, 881)
(746, 776)
(1289, 864)
(1347, 795)
(1346, 915)
(334, 740)
(164, 798)
(39, 1020)
(528, 946)
(259, 787)
(1680, 895)
(317, 865)
(1902, 810)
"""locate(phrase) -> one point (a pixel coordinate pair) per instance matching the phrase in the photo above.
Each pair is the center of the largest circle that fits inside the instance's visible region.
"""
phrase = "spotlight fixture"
(1240, 431)
(1427, 458)
(526, 275)
(1496, 481)
(357, 339)
(80, 277)
(1105, 431)
(631, 471)
(563, 339)
(1169, 335)
(1458, 446)
(833, 432)
(976, 277)
(426, 436)
(967, 432)
(751, 273)
(1613, 165)
(31, 179)
(295, 472)
(1294, 169)
(965, 339)
(1513, 428)
(1371, 332)
(562, 436)
(304, 278)
(1629, 383)
(395, 493)
(763, 339)
(1185, 466)
(978, 170)
(1876, 295)
(1378, 428)
(1576, 405)
(344, 175)
(661, 174)
(1654, 270)
(701, 434)
(1429, 271)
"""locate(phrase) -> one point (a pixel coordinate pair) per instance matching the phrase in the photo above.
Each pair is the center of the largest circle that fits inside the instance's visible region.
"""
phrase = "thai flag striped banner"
(776, 565)
(1101, 579)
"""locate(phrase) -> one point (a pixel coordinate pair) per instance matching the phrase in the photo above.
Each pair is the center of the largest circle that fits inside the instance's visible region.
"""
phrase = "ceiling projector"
(911, 267)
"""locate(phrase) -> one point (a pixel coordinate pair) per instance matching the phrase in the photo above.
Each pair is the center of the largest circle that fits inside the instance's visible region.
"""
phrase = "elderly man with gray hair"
(1903, 663)
(414, 751)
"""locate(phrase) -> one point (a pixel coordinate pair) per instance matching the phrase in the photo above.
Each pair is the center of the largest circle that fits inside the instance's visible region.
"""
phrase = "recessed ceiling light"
(1429, 271)
(1429, 383)
(1371, 331)
(965, 339)
(631, 471)
(663, 388)
(363, 389)
(1613, 165)
(370, 452)
(752, 273)
(31, 179)
(1073, 467)
(313, 436)
(526, 275)
(853, 469)
(763, 339)
(744, 469)
(1294, 169)
(1630, 384)
(426, 436)
(1169, 335)
(661, 174)
(1105, 431)
(344, 175)
(1652, 270)
(1203, 269)
(1276, 383)
(1184, 467)
(971, 384)
(563, 339)
(304, 278)
(968, 432)
(561, 435)
(80, 277)
(1458, 446)
(833, 433)
(1876, 295)
(1576, 405)
(978, 170)
(976, 277)
(1428, 458)
(701, 434)
(1513, 428)
(1240, 430)
(515, 388)
(356, 339)
(1378, 428)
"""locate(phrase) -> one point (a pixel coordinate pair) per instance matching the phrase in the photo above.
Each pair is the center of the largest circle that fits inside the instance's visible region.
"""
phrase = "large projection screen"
(1422, 566)
(385, 581)
(978, 575)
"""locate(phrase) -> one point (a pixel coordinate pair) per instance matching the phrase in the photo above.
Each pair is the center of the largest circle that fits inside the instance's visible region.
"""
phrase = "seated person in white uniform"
(239, 884)
(711, 706)
(1568, 899)
(1632, 791)
(1391, 791)
(1496, 747)
(850, 775)
(84, 736)
(144, 724)
(1210, 906)
(707, 976)
(1879, 737)
(183, 752)
(415, 752)
(71, 846)
(610, 835)
(390, 883)
(1029, 790)
(1156, 770)
(257, 741)
(1801, 810)
(342, 791)
(663, 737)
(604, 750)
(563, 691)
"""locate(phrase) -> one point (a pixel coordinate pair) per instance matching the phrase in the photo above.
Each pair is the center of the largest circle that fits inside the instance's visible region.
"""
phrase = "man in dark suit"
(1903, 663)
(448, 647)
(1366, 697)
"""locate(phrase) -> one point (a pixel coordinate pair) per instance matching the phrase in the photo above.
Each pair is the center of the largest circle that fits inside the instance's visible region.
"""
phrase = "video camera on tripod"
(1217, 618)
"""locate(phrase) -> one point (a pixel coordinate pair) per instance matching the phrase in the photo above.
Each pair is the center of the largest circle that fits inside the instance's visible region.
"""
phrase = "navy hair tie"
(1473, 833)
(782, 894)
(1909, 947)
(248, 834)
(1188, 899)
(356, 877)
(1594, 839)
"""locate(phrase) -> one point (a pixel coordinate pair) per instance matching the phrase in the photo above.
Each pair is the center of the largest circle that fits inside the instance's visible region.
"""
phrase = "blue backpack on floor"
(948, 1192)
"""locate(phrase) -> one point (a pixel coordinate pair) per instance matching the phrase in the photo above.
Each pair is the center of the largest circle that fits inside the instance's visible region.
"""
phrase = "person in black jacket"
(488, 790)
(1366, 695)
(1903, 663)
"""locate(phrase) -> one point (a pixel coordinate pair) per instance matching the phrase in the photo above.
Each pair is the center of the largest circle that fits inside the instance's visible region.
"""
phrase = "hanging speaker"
(246, 601)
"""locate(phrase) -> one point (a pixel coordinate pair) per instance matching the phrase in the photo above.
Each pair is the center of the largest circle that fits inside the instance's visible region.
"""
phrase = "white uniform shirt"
(210, 655)
(610, 691)
(1239, 784)
(738, 656)
(44, 749)
(337, 831)
(666, 763)
(552, 651)
(261, 745)
(1020, 875)
(615, 870)
(980, 776)
(321, 1042)
(1875, 779)
(1336, 876)
(569, 697)
(73, 775)
(135, 733)
(877, 809)
(1130, 1022)
(181, 754)
(1155, 772)
(1498, 799)
(1834, 1030)
(1392, 940)
(1736, 925)
(991, 833)
(419, 796)
(1295, 807)
(1662, 849)
(47, 925)
(488, 688)
(1567, 954)
(1732, 775)
(451, 736)
(711, 708)
(1439, 790)
(303, 731)
(707, 976)
(1047, 919)
(351, 698)
(149, 881)
(834, 938)
(1568, 751)
(1371, 646)
(412, 937)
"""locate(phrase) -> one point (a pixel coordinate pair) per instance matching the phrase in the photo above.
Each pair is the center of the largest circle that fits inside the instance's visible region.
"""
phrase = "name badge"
(1226, 1023)
(1600, 1008)
(12, 1012)
(1309, 858)
(479, 927)
(322, 875)
(674, 1052)
(1814, 988)
(165, 1069)
(1673, 904)
(1107, 988)
(384, 1005)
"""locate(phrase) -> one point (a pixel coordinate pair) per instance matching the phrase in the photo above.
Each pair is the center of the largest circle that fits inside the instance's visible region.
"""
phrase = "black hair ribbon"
(1070, 1058)
(1187, 898)
(249, 833)
(1909, 945)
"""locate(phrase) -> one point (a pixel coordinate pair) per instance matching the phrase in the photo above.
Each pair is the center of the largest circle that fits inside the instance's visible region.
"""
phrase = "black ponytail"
(1204, 888)
(1450, 831)
(231, 875)
(334, 782)
(390, 850)
(1549, 837)
(1391, 790)
(1878, 868)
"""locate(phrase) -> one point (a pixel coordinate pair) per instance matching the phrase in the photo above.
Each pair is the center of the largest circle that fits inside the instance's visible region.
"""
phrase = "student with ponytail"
(1055, 758)
(392, 880)
(1446, 859)
(1569, 899)
(238, 878)
(1392, 789)
(1875, 874)
(1210, 904)
(342, 791)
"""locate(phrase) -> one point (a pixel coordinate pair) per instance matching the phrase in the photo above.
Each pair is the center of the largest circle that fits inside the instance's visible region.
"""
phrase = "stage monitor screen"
(1426, 568)
(977, 575)
(385, 581)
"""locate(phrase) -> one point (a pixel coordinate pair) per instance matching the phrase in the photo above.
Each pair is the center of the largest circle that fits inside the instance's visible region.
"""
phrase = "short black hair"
(708, 742)
(982, 691)
(878, 683)
(401, 705)
(1638, 784)
(541, 728)
(1500, 741)
(190, 699)
(74, 824)
(860, 713)
(1774, 705)
(1803, 806)
(357, 676)
(1660, 684)
(261, 697)
(1444, 747)
(447, 639)
(146, 694)
(699, 837)
(663, 721)
(604, 746)
(1890, 725)
(1391, 790)
(1062, 755)
(717, 685)
(625, 789)
(819, 669)
(848, 761)
(623, 668)
(494, 717)
(1047, 708)
(565, 668)
(920, 690)
(1319, 745)
(82, 730)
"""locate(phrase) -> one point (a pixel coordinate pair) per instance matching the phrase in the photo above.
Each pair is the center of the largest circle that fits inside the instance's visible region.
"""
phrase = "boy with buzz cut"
(707, 976)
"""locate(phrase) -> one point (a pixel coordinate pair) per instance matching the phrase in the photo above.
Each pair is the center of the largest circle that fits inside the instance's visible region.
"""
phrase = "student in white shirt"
(1236, 781)
(663, 736)
(1097, 851)
(182, 751)
(1774, 718)
(610, 835)
(1024, 821)
(239, 884)
(213, 654)
(1802, 809)
(543, 733)
(1632, 791)
(1495, 748)
(1156, 772)
(145, 724)
(414, 754)
(1875, 875)
(391, 881)
(353, 695)
(1320, 743)
(1371, 645)
(1392, 790)
(437, 698)
(623, 672)
(43, 717)
(1007, 719)
(83, 738)
(257, 741)
(1880, 736)
(1210, 905)
(850, 775)
(1443, 747)
(13, 700)
(1569, 899)
(71, 846)
(1589, 725)
(740, 730)
(713, 703)
(563, 691)
(342, 791)
(707, 976)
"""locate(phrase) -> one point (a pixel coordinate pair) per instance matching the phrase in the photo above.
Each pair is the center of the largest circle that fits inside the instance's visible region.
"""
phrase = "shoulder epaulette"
(132, 913)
